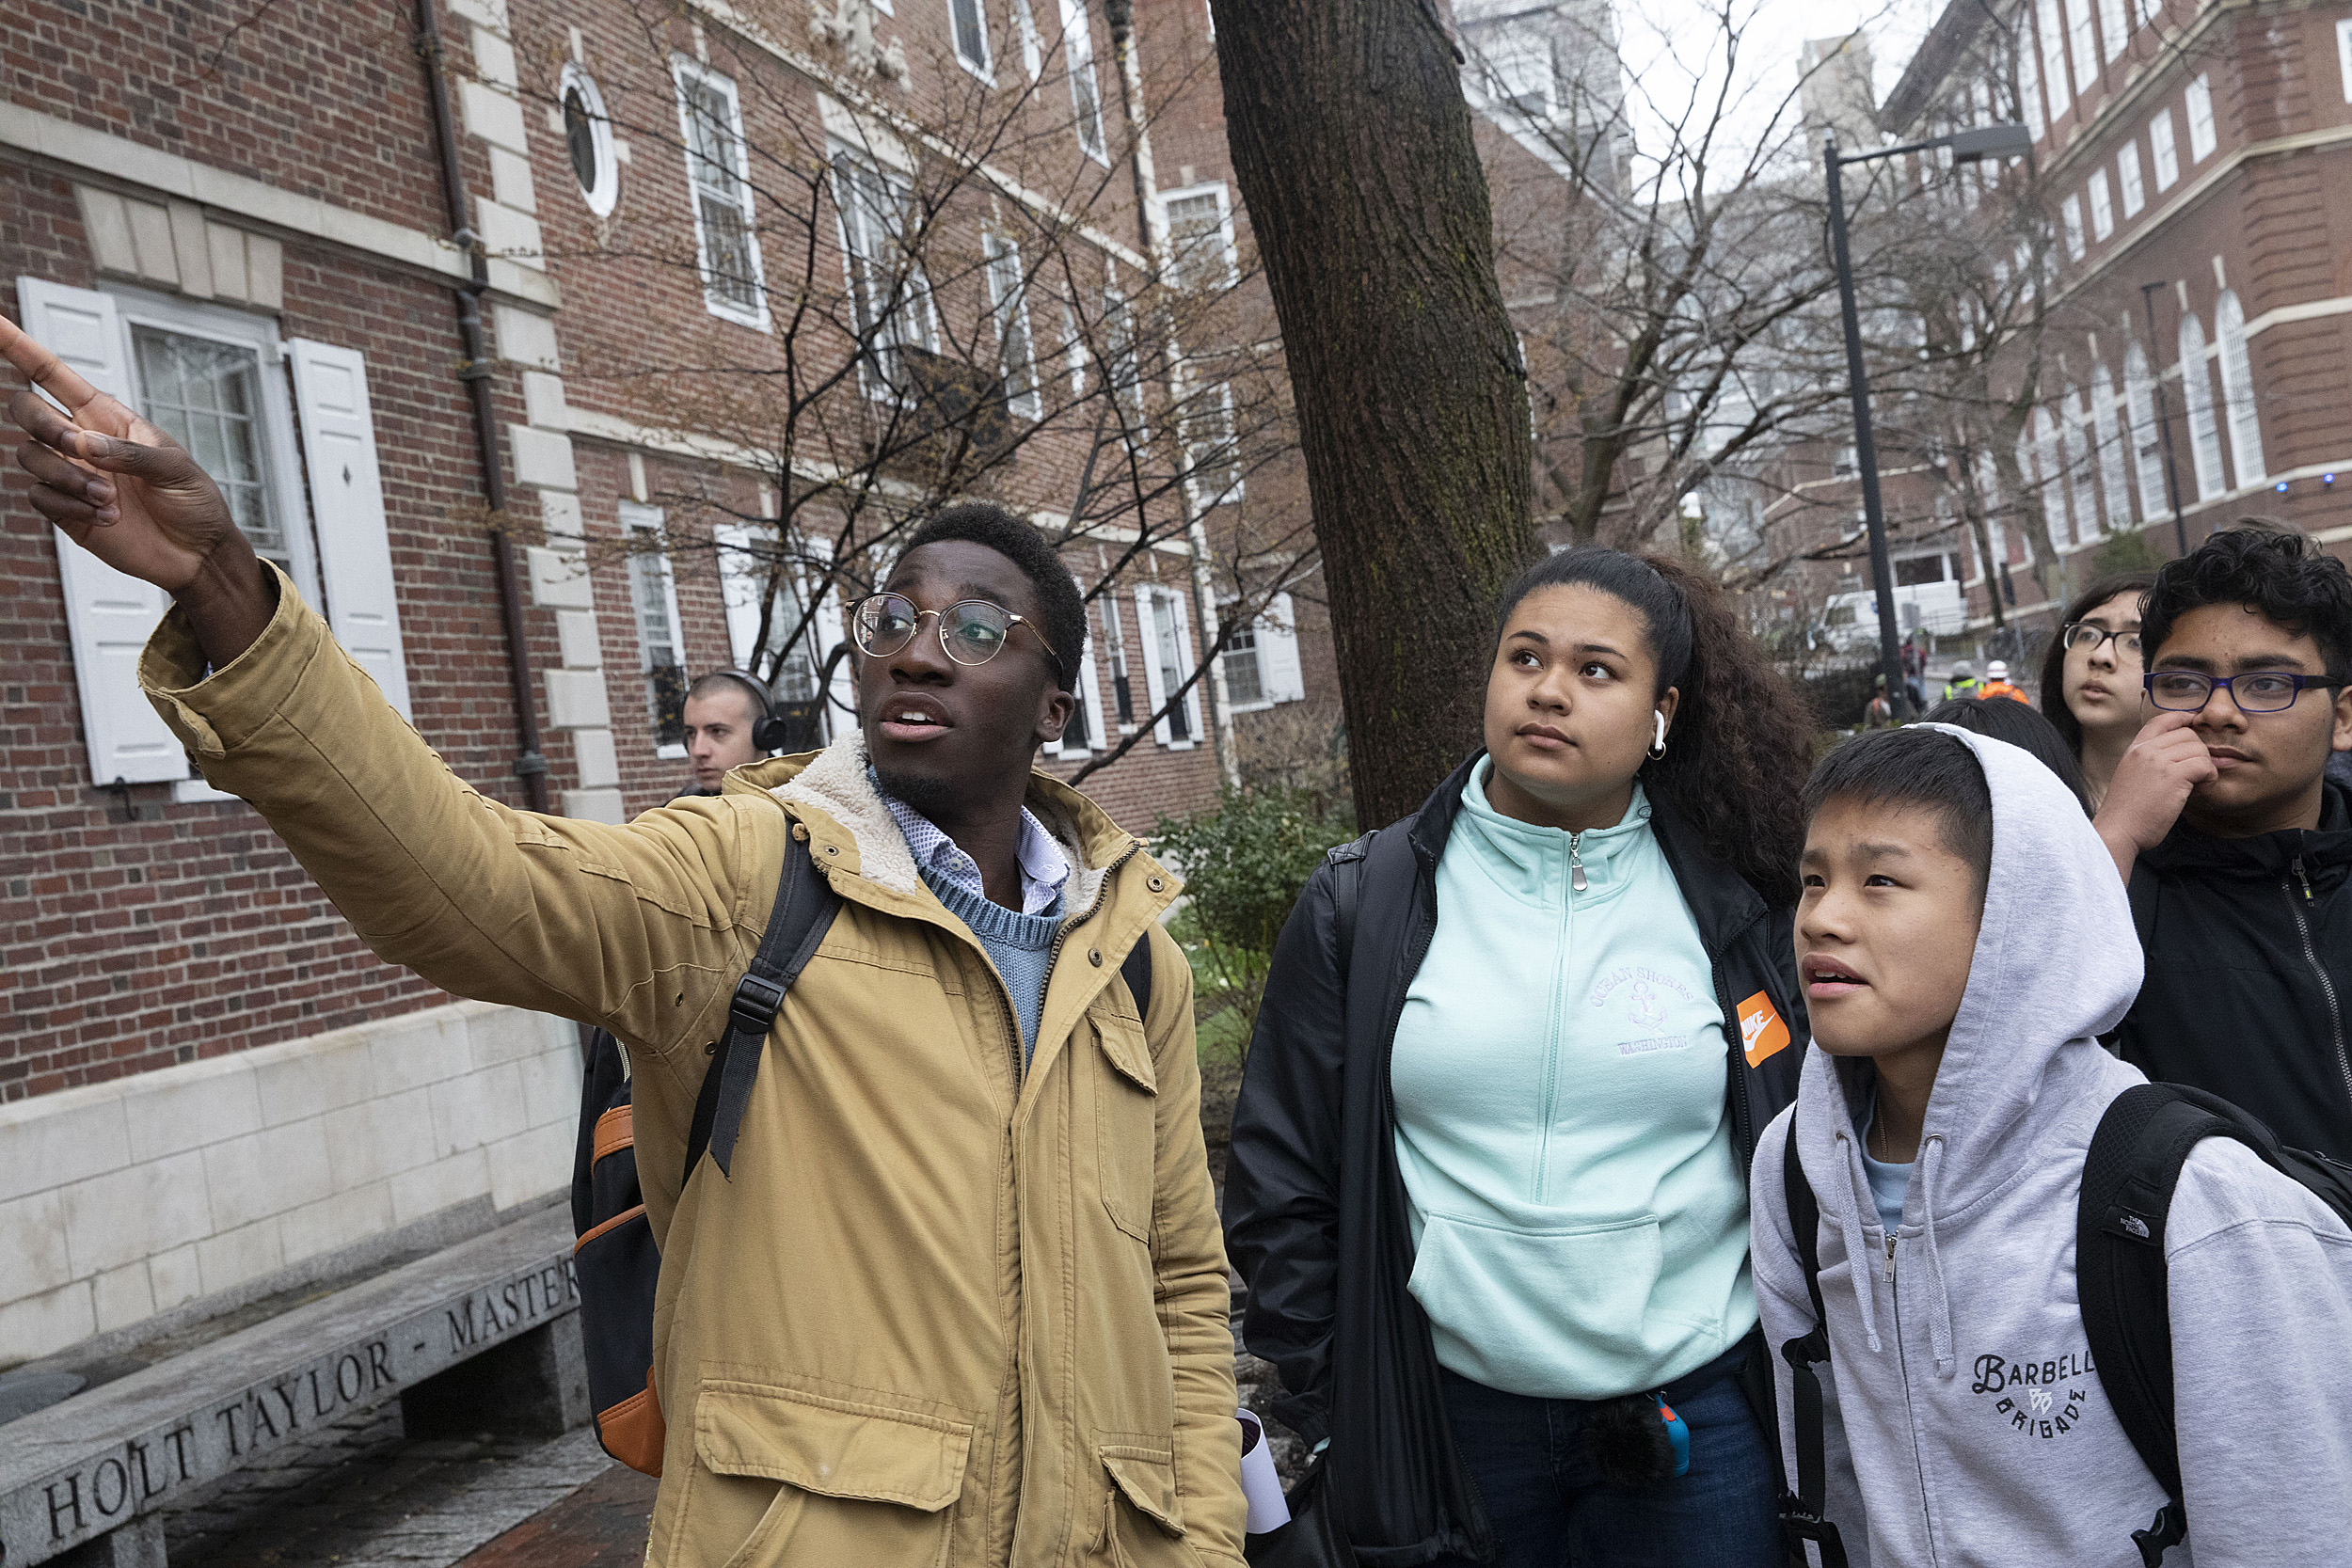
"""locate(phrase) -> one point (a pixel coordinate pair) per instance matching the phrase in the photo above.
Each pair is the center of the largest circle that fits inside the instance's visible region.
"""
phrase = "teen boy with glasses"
(2236, 846)
(962, 1292)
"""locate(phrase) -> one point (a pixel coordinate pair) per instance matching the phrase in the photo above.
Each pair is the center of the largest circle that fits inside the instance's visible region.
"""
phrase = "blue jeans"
(1550, 1509)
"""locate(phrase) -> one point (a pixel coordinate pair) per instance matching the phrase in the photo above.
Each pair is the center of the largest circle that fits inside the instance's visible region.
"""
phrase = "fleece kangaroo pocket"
(1564, 1313)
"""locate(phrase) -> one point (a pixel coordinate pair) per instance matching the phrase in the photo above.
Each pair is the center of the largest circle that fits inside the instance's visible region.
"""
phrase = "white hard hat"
(1997, 670)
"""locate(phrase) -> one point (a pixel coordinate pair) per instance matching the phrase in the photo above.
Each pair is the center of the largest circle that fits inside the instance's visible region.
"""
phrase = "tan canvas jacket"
(945, 1312)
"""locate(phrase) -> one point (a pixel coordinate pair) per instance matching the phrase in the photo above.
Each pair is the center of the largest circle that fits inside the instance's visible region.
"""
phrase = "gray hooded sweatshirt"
(1966, 1423)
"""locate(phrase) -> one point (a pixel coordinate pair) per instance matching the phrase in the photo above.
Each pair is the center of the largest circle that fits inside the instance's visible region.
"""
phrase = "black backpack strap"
(1347, 891)
(805, 905)
(2135, 1162)
(1801, 1515)
(1137, 970)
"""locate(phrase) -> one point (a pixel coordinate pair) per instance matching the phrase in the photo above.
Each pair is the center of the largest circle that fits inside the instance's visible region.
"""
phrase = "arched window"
(2111, 437)
(2204, 431)
(2147, 441)
(2082, 476)
(2237, 390)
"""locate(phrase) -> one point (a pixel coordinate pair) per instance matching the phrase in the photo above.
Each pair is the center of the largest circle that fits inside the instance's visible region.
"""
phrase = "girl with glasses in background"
(2090, 676)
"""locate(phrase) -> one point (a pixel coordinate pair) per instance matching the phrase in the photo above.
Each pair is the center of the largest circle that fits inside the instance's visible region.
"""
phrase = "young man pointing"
(962, 1295)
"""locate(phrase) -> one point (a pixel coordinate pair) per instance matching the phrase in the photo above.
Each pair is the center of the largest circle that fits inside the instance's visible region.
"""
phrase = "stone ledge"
(101, 1461)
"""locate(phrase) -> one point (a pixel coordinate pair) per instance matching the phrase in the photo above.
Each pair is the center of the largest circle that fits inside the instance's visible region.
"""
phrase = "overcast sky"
(1673, 47)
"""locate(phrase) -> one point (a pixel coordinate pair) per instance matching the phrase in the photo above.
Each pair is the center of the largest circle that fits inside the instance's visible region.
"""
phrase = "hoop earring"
(1657, 747)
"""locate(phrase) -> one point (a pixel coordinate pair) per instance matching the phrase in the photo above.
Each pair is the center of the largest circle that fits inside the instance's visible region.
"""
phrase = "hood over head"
(2057, 963)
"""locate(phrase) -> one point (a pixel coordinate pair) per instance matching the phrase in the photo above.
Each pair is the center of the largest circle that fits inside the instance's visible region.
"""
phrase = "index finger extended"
(43, 369)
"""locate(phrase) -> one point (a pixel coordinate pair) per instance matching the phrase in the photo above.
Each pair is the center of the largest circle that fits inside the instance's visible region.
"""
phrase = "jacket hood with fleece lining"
(1963, 1385)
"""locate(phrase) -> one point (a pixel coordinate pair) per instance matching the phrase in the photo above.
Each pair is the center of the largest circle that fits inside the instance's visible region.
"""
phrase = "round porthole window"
(588, 139)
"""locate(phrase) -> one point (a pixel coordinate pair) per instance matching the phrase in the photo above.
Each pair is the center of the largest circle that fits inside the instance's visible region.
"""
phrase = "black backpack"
(2134, 1163)
(614, 1260)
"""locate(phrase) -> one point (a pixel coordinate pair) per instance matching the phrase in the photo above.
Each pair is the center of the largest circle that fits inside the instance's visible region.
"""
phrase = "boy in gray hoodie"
(1963, 939)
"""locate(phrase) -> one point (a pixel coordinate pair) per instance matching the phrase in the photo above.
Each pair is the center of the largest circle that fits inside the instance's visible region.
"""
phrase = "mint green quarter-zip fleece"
(1580, 1218)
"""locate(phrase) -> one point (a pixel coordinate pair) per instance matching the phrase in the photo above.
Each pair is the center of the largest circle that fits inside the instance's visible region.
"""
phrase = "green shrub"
(1245, 863)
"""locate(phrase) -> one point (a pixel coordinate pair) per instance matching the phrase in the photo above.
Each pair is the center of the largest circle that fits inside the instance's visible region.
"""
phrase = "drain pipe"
(1153, 220)
(474, 370)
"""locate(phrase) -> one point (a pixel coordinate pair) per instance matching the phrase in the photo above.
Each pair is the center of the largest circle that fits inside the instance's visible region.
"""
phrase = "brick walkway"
(601, 1525)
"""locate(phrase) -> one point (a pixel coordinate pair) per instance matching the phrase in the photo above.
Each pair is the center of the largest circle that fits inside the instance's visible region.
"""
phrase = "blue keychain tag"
(1676, 1433)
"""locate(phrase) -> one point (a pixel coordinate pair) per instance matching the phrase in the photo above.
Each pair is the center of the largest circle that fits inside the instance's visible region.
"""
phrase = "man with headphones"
(729, 721)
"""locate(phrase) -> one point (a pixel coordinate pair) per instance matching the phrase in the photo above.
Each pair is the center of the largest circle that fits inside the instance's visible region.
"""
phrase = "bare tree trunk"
(1353, 147)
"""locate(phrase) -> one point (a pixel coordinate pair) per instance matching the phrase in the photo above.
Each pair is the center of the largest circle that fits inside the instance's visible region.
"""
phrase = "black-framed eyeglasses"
(971, 631)
(2090, 634)
(2262, 691)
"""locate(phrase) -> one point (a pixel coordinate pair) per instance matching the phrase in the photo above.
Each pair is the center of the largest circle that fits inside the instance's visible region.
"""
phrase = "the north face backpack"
(2143, 1138)
(614, 1259)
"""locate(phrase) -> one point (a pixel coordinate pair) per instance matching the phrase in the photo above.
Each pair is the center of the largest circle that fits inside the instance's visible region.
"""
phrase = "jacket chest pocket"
(1126, 1100)
(782, 1476)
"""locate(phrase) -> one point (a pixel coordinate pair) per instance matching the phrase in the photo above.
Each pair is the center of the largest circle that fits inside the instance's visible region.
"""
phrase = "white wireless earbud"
(1657, 747)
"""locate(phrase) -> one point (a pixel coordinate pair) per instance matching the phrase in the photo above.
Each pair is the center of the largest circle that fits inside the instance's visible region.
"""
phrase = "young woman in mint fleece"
(1487, 1178)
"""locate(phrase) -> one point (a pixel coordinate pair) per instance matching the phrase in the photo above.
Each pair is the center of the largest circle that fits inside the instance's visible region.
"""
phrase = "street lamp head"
(1989, 141)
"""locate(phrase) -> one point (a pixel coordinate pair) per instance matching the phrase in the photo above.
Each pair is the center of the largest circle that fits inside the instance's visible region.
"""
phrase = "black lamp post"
(1983, 141)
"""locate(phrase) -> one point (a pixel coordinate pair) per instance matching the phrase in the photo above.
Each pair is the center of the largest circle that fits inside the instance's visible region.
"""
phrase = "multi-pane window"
(661, 645)
(2344, 57)
(712, 121)
(2071, 213)
(2201, 138)
(1125, 368)
(1211, 450)
(2204, 429)
(2113, 471)
(1166, 652)
(971, 30)
(2140, 402)
(1086, 98)
(2160, 144)
(1517, 63)
(2102, 205)
(2237, 388)
(2113, 26)
(1115, 638)
(1245, 685)
(207, 396)
(1008, 297)
(2127, 171)
(2085, 47)
(888, 298)
(2029, 87)
(2053, 55)
(1200, 239)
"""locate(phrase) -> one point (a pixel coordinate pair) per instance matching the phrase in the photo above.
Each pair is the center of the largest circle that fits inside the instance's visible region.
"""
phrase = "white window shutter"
(1186, 662)
(348, 499)
(1278, 653)
(1147, 645)
(108, 614)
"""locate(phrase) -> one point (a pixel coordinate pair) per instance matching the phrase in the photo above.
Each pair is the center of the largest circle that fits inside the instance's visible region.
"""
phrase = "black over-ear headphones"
(769, 733)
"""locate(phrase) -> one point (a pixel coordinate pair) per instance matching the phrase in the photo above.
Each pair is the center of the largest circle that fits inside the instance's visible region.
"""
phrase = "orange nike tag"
(1761, 1032)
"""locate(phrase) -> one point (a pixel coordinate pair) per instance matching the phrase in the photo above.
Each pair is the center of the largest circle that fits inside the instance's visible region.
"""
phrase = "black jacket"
(1315, 1211)
(2249, 944)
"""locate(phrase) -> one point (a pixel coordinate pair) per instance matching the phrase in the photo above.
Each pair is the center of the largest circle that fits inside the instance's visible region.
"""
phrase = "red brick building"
(731, 268)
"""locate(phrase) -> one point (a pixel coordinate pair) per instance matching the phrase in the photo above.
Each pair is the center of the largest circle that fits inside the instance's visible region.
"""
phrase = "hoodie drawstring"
(1859, 1262)
(1940, 1313)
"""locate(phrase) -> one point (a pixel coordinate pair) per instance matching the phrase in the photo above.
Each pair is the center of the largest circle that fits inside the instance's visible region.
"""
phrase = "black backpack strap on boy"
(2128, 1178)
(805, 905)
(1801, 1515)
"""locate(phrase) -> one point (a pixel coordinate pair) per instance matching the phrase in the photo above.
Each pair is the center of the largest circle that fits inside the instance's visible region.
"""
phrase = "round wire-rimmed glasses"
(971, 631)
(2262, 691)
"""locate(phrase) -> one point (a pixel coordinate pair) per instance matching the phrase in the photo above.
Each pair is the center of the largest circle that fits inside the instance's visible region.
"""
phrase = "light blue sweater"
(1020, 946)
(1579, 1214)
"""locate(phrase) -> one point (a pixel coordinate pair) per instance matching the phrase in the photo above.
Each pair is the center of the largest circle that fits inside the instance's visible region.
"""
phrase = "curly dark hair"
(2054, 706)
(1737, 764)
(1060, 605)
(2282, 575)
